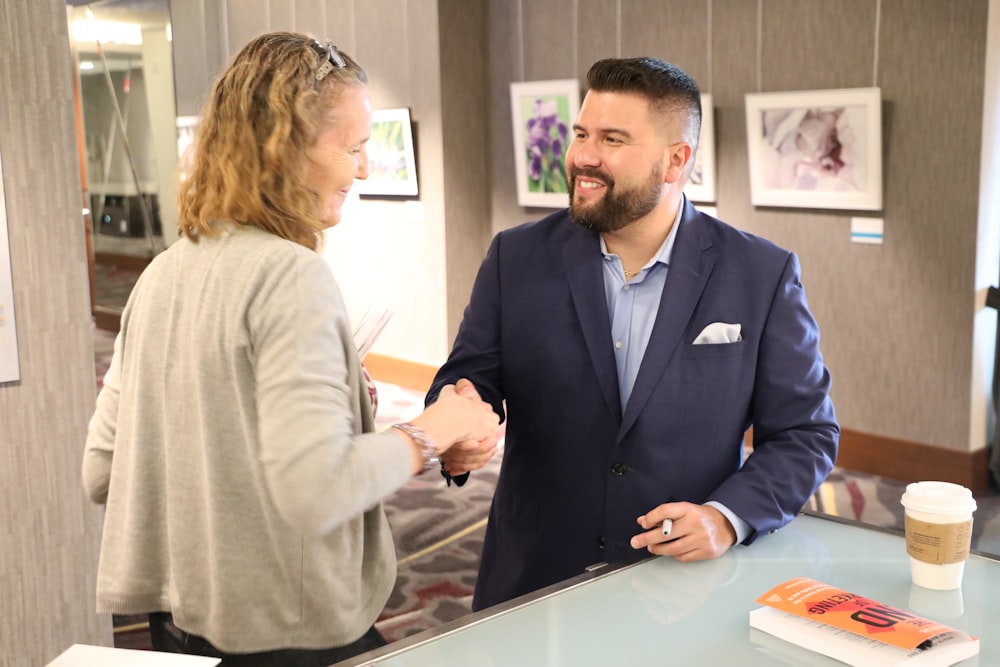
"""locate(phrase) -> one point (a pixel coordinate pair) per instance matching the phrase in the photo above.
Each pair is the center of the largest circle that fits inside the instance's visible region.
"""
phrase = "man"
(634, 340)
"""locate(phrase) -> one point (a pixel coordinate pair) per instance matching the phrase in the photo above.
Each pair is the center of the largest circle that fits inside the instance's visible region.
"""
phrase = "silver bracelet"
(424, 442)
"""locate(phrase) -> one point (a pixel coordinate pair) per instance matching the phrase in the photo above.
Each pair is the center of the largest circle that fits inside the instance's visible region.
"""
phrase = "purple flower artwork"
(546, 144)
(543, 113)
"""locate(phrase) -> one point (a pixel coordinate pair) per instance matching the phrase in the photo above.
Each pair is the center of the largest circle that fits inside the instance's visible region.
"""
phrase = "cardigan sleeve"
(320, 469)
(100, 446)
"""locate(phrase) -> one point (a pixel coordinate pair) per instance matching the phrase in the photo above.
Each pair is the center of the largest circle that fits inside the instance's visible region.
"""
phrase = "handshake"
(462, 429)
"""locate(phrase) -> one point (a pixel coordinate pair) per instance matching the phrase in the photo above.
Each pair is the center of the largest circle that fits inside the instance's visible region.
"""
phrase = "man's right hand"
(457, 416)
(469, 455)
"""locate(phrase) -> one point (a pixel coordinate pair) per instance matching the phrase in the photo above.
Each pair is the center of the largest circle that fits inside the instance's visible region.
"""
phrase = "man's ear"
(677, 159)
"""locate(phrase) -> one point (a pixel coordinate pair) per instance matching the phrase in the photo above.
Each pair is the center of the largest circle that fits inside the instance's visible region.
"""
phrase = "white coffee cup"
(938, 524)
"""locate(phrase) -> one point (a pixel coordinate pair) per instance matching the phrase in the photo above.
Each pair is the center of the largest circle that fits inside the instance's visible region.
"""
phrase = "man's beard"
(615, 210)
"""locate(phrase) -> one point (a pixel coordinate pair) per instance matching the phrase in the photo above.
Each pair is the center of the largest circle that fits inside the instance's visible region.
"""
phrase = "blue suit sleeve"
(795, 431)
(476, 353)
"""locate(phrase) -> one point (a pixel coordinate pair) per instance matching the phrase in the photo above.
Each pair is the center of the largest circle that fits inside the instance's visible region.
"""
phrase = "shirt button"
(618, 469)
(626, 288)
(600, 542)
(618, 345)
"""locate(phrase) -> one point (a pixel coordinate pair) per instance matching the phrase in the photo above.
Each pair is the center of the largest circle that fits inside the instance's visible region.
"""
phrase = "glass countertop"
(664, 612)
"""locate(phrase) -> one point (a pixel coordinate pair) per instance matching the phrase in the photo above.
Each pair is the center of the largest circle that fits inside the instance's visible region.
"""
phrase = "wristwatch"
(424, 442)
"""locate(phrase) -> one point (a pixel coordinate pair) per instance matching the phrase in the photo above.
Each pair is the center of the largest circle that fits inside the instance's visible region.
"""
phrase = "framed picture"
(701, 183)
(816, 148)
(543, 113)
(186, 127)
(392, 165)
(10, 368)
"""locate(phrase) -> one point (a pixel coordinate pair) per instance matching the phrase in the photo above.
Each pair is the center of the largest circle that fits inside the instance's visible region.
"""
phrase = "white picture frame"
(816, 148)
(542, 114)
(187, 126)
(10, 367)
(700, 186)
(392, 164)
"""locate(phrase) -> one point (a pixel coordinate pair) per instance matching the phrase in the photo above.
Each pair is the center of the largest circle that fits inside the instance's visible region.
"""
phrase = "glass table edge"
(599, 570)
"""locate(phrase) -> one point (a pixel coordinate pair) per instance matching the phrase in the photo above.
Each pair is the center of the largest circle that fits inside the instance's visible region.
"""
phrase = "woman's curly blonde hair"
(249, 164)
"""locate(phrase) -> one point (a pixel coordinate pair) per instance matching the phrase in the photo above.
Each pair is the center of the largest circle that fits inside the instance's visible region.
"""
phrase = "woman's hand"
(460, 416)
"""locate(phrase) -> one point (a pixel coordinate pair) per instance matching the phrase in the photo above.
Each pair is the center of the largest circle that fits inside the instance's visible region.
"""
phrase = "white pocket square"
(719, 332)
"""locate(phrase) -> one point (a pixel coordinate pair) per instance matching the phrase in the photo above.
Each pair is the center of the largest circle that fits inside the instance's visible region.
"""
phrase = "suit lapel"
(581, 256)
(691, 264)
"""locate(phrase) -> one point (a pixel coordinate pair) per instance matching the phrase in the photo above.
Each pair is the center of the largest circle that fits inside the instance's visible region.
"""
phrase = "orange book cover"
(834, 606)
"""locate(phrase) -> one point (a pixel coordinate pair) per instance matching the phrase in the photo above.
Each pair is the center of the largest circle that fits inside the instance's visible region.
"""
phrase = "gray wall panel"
(388, 58)
(244, 20)
(814, 44)
(668, 30)
(548, 39)
(596, 34)
(200, 51)
(464, 95)
(49, 532)
(340, 23)
(505, 61)
(310, 17)
(281, 15)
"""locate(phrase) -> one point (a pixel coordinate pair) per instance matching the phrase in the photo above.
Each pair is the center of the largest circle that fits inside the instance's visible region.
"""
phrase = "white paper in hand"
(368, 330)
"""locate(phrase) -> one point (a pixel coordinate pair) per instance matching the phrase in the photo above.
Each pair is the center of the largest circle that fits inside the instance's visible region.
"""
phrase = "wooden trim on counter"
(108, 319)
(409, 374)
(908, 461)
(912, 461)
(122, 261)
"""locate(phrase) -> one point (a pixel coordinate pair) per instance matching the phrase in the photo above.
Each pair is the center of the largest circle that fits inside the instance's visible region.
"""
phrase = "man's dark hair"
(666, 87)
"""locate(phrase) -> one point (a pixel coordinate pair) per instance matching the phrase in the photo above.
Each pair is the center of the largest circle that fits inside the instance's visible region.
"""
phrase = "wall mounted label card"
(866, 230)
(10, 370)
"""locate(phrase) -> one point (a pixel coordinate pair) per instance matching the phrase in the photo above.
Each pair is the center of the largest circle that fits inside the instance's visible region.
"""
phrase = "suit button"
(618, 469)
(600, 542)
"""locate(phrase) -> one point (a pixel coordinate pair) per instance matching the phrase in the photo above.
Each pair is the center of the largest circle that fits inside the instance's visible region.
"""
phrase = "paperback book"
(856, 630)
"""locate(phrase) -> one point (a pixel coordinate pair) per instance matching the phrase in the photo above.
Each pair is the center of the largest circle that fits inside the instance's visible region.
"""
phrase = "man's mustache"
(594, 174)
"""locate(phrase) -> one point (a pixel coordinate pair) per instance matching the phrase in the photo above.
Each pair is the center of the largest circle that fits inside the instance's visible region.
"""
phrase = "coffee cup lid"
(938, 498)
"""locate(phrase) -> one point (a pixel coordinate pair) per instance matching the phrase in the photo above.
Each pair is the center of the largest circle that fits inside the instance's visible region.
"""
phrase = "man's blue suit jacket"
(576, 471)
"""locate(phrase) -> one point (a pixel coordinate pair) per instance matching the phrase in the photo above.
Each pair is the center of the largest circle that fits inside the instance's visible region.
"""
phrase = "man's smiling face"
(615, 161)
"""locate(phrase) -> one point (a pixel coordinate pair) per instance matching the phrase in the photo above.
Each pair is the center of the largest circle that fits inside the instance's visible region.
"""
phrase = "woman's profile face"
(338, 156)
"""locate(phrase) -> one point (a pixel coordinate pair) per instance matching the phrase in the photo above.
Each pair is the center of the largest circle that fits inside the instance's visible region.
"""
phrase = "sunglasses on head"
(330, 59)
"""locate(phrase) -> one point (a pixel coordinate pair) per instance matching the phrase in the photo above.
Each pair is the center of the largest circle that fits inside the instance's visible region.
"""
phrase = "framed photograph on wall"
(816, 148)
(543, 113)
(701, 183)
(186, 127)
(10, 367)
(392, 164)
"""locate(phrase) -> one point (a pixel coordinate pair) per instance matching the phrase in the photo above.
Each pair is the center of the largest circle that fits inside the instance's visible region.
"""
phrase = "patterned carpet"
(439, 533)
(113, 284)
(439, 530)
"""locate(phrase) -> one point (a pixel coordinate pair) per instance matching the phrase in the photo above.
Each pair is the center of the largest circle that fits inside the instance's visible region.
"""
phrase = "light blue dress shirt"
(632, 305)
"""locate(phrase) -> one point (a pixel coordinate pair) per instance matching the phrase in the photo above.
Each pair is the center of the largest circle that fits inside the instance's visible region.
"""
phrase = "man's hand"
(699, 532)
(469, 455)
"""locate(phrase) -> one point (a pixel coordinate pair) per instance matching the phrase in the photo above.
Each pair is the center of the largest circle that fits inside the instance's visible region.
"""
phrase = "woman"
(233, 438)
